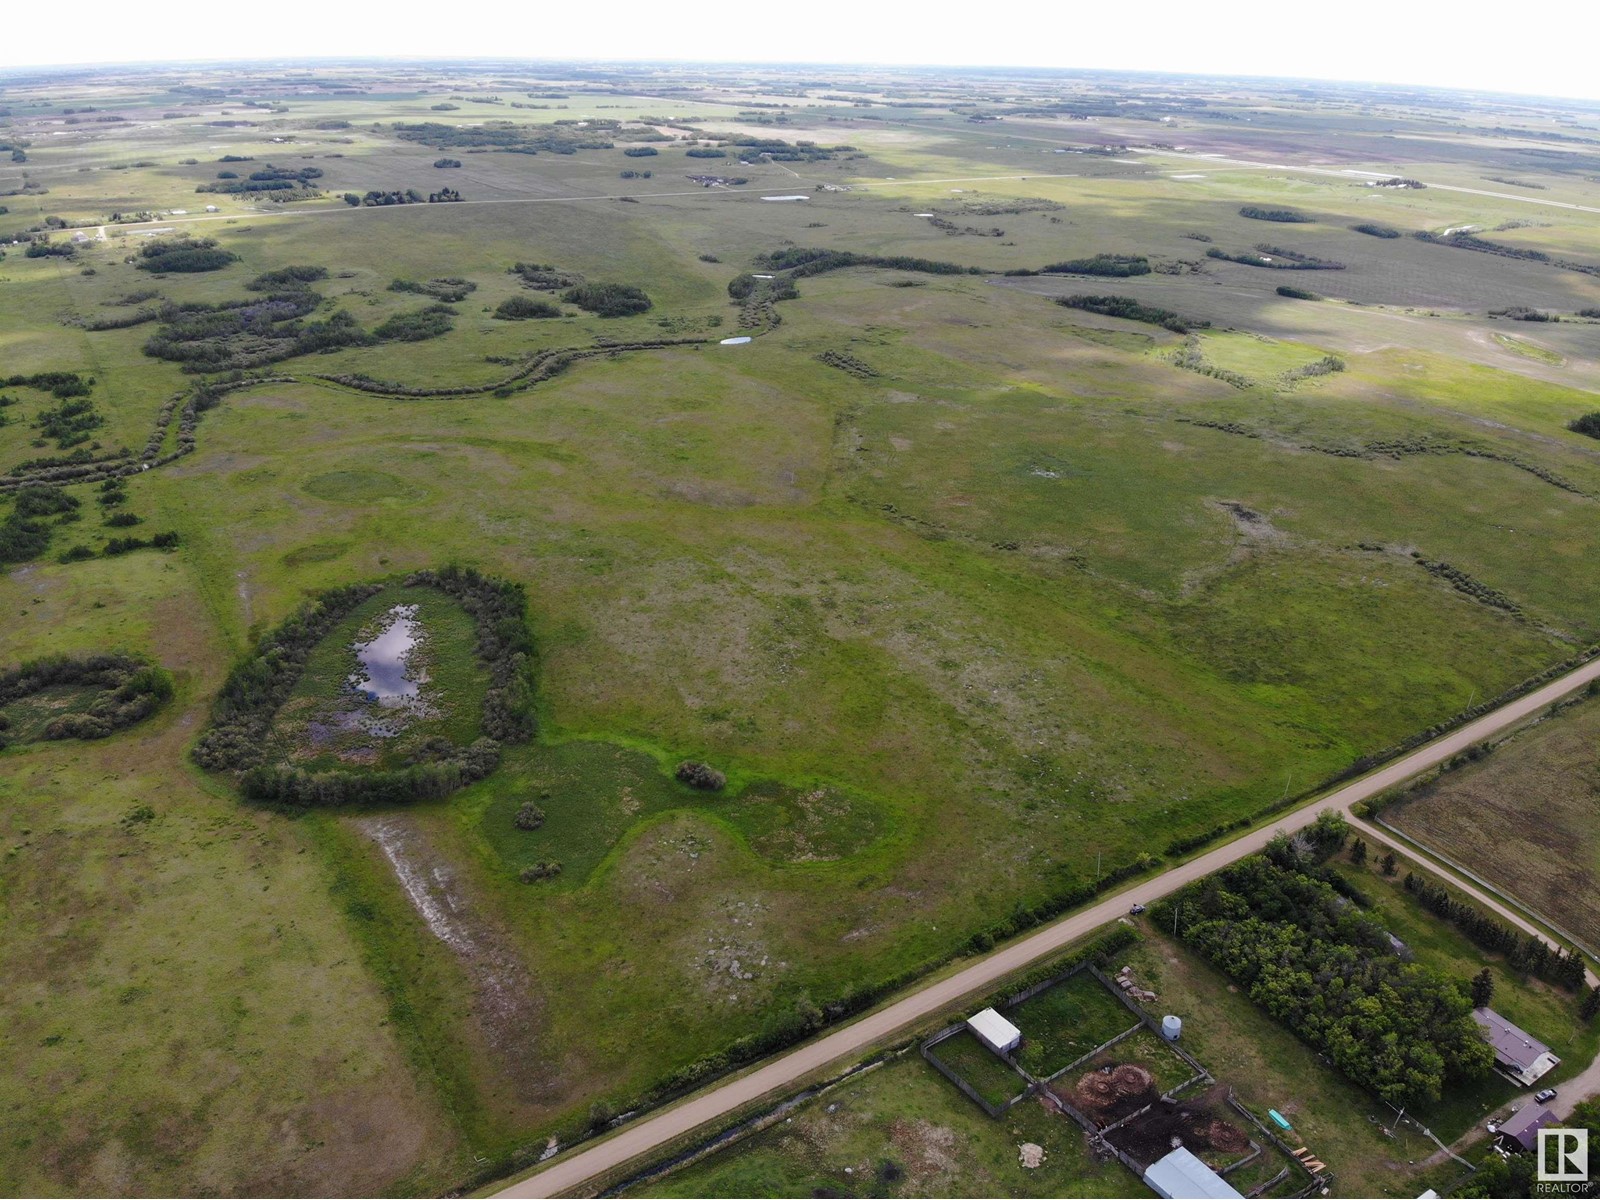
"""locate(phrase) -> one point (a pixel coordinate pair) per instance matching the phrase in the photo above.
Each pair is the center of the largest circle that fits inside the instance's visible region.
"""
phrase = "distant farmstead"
(1517, 1053)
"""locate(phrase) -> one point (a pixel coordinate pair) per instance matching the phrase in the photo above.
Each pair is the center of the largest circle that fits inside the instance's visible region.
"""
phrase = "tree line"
(1524, 953)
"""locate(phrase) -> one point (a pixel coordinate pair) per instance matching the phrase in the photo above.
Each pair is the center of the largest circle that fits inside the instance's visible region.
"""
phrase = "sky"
(1387, 41)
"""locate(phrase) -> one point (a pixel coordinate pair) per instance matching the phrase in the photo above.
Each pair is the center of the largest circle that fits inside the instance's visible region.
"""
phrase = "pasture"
(972, 597)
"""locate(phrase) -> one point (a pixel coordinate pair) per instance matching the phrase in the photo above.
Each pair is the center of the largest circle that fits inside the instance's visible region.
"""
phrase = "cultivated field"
(972, 599)
(1524, 818)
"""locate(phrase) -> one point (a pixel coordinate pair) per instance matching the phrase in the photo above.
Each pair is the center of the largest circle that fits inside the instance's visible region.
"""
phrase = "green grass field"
(1005, 600)
(1063, 1023)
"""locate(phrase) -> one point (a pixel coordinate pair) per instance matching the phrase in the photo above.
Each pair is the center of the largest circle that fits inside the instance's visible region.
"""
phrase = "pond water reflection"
(386, 675)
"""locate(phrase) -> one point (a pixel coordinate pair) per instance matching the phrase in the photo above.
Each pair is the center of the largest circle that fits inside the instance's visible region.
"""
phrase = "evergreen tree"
(1482, 988)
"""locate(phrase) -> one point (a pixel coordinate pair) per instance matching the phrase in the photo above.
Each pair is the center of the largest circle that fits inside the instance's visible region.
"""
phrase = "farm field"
(1533, 800)
(963, 601)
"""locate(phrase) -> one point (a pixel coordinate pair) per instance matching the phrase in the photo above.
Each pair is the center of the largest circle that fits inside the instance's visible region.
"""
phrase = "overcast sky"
(1543, 49)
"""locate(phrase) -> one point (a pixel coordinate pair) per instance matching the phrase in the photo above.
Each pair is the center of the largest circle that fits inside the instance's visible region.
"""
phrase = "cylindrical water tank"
(1171, 1027)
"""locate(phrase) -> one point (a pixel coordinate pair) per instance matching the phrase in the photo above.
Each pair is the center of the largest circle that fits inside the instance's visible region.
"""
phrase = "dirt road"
(648, 1134)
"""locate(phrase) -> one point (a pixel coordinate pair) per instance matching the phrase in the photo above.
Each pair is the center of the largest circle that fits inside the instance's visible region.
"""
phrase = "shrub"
(1588, 425)
(529, 815)
(286, 278)
(608, 299)
(1294, 293)
(418, 326)
(522, 308)
(641, 152)
(701, 777)
(540, 871)
(447, 162)
(129, 690)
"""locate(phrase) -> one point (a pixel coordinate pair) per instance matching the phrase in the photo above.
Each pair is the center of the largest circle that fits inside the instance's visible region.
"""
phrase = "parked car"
(1136, 909)
(1545, 1096)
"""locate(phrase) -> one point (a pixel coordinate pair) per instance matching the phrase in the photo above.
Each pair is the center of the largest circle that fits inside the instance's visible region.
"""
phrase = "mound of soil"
(1203, 1124)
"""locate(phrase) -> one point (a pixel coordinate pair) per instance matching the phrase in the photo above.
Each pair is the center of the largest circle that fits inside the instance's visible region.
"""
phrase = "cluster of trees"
(1131, 310)
(384, 199)
(446, 162)
(641, 152)
(449, 290)
(705, 152)
(69, 423)
(634, 174)
(1316, 962)
(1377, 231)
(255, 689)
(241, 334)
(24, 534)
(1467, 241)
(286, 279)
(268, 179)
(129, 690)
(1294, 293)
(444, 196)
(1278, 257)
(1118, 266)
(126, 545)
(801, 261)
(44, 248)
(183, 255)
(1523, 952)
(608, 299)
(542, 277)
(60, 384)
(1328, 364)
(560, 138)
(1287, 216)
(499, 609)
(522, 308)
(1521, 312)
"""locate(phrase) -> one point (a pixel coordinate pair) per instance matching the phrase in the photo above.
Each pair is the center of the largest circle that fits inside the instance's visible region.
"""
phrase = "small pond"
(386, 674)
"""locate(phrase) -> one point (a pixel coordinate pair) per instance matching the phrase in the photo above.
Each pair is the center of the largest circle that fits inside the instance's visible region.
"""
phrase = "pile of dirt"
(1110, 1092)
(1202, 1123)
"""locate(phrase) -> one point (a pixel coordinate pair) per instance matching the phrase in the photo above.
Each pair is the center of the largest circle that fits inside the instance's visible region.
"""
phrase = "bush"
(529, 816)
(1294, 293)
(129, 690)
(1588, 425)
(608, 299)
(540, 871)
(418, 326)
(286, 278)
(641, 152)
(522, 308)
(447, 162)
(701, 777)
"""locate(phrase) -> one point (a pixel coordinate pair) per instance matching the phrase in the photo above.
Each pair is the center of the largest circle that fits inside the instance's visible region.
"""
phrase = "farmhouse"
(994, 1031)
(1182, 1176)
(1516, 1053)
(1523, 1128)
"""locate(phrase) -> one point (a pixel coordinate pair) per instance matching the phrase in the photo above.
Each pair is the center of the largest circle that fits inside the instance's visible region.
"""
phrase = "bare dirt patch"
(1201, 1123)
